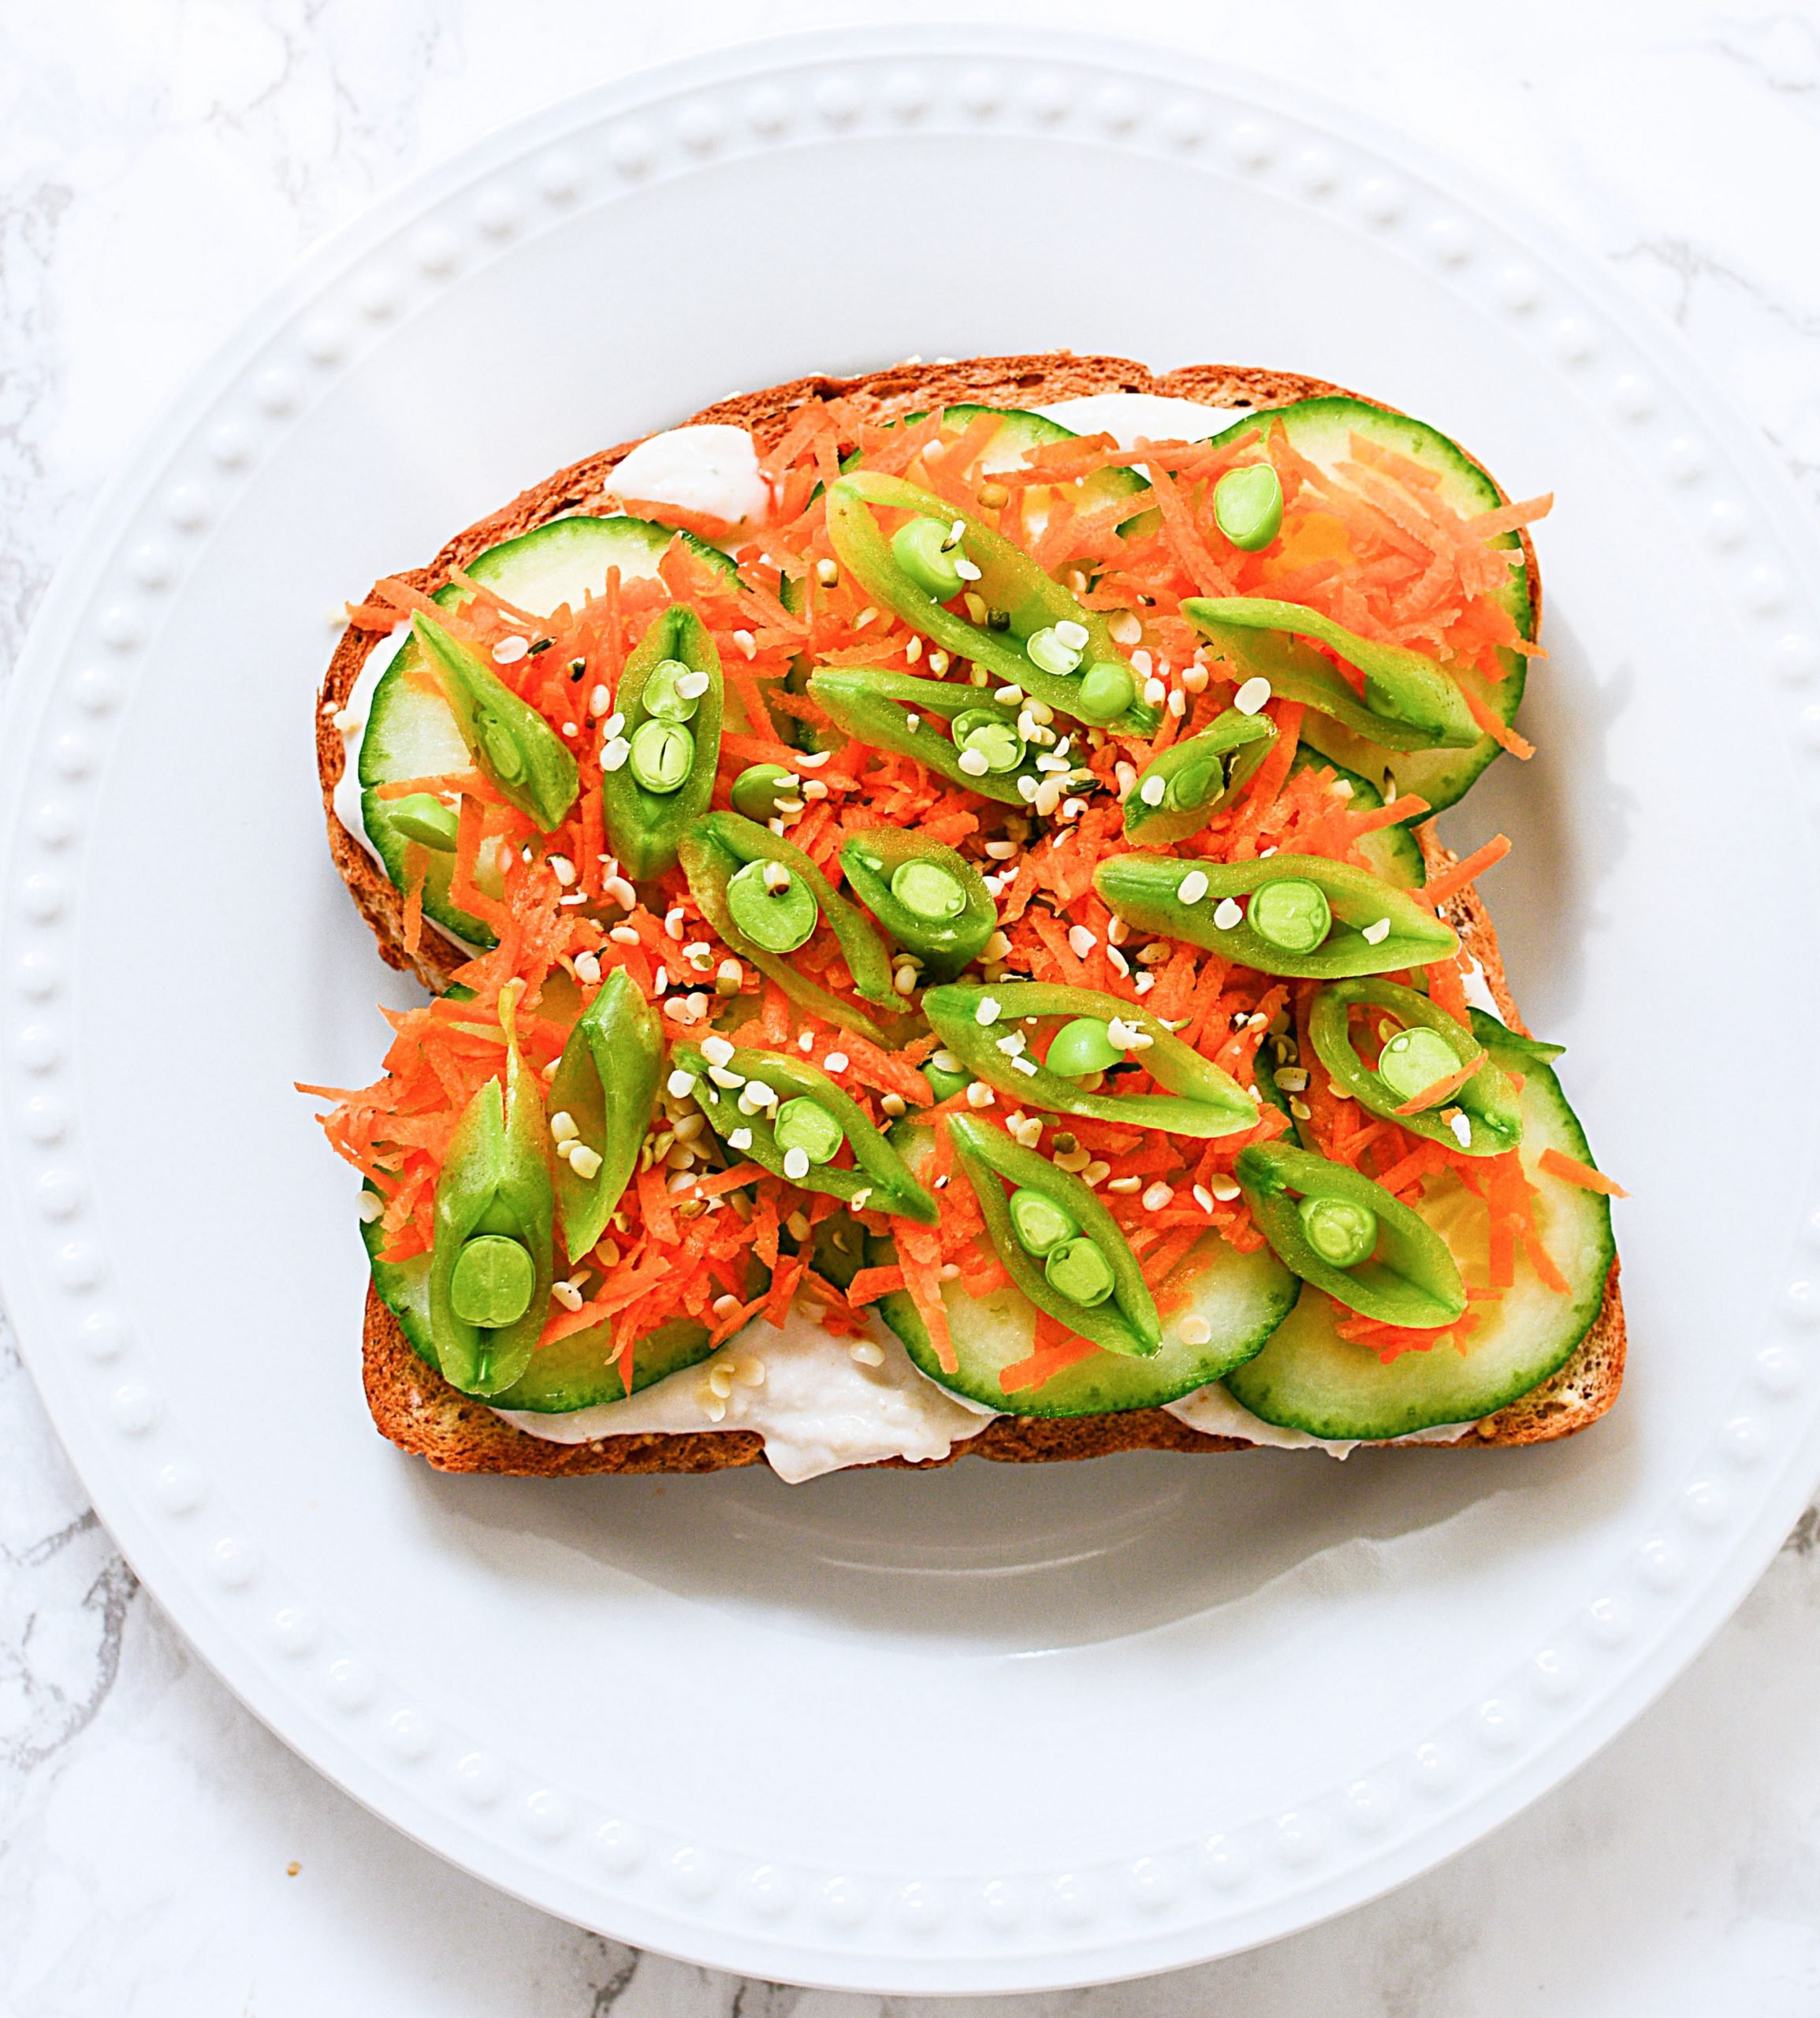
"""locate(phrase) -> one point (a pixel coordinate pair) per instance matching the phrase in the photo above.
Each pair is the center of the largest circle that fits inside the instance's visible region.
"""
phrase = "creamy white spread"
(712, 468)
(1212, 1411)
(352, 722)
(1126, 415)
(1478, 993)
(818, 1407)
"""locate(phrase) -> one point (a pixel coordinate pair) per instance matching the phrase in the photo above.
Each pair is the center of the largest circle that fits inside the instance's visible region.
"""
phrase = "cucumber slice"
(1391, 852)
(411, 733)
(1318, 429)
(575, 1372)
(1242, 1298)
(1309, 1378)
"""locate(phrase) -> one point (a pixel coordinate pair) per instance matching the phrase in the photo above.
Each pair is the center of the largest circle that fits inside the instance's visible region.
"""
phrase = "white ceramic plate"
(991, 1728)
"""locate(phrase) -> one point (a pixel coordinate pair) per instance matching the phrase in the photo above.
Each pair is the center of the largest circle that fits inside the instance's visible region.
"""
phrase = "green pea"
(1039, 1223)
(778, 915)
(1248, 506)
(492, 1282)
(927, 890)
(1291, 915)
(1414, 1059)
(1201, 778)
(1082, 1047)
(500, 741)
(1107, 690)
(1340, 1230)
(660, 696)
(422, 817)
(995, 738)
(919, 546)
(663, 754)
(758, 789)
(1080, 1271)
(805, 1125)
(1050, 653)
(945, 1081)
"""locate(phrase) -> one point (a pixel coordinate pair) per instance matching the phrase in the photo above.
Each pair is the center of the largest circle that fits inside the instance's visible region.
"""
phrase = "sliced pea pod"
(665, 776)
(1087, 1248)
(718, 848)
(880, 1180)
(606, 1083)
(492, 1260)
(1081, 672)
(1305, 916)
(1201, 1100)
(1410, 701)
(931, 900)
(900, 710)
(1350, 1236)
(1178, 793)
(1435, 1051)
(509, 741)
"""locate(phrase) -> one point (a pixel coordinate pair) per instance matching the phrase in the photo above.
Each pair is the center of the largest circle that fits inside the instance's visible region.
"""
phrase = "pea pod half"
(606, 1083)
(1304, 916)
(898, 711)
(1200, 1100)
(1122, 1319)
(1178, 793)
(1349, 1237)
(673, 696)
(771, 1134)
(1081, 671)
(509, 741)
(931, 901)
(492, 1259)
(1418, 1074)
(1410, 702)
(722, 846)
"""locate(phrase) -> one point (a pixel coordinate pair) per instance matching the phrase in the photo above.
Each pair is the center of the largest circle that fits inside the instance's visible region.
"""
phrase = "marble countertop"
(161, 163)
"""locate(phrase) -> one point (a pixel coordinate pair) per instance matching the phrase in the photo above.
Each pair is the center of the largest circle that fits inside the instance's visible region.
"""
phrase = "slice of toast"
(411, 1403)
(418, 1410)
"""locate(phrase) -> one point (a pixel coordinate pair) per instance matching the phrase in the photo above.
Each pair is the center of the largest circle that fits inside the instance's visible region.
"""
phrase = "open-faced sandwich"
(937, 946)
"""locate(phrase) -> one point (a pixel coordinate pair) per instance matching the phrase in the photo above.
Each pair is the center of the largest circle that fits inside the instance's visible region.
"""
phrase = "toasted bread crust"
(417, 1410)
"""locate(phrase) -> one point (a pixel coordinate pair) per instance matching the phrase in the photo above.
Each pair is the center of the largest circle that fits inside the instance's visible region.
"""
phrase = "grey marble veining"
(160, 162)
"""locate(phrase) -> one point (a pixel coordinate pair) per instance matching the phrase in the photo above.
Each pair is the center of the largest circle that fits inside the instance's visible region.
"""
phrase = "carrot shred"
(1570, 1172)
(1469, 870)
(1443, 1089)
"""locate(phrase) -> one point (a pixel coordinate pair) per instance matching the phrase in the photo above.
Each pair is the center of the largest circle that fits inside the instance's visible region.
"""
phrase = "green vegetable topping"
(1082, 1047)
(991, 736)
(946, 1075)
(927, 889)
(422, 817)
(1248, 506)
(1050, 651)
(1339, 1230)
(774, 909)
(492, 1282)
(926, 551)
(803, 1124)
(1079, 1271)
(506, 736)
(663, 755)
(1413, 1059)
(1291, 915)
(1039, 1223)
(1106, 690)
(758, 788)
(672, 692)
